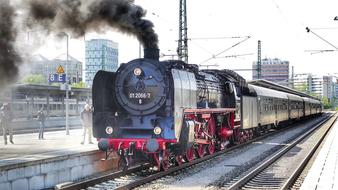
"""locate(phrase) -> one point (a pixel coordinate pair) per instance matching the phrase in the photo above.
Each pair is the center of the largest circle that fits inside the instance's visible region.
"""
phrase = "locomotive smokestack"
(152, 53)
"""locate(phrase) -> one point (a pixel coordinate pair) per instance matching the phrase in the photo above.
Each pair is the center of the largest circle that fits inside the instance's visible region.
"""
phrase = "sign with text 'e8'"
(57, 78)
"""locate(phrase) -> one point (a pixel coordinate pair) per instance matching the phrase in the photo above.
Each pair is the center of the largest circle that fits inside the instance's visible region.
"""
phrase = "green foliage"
(314, 94)
(305, 89)
(34, 79)
(79, 85)
(302, 88)
(326, 103)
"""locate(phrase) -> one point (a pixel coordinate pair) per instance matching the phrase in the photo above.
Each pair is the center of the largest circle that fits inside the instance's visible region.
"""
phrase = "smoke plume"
(9, 58)
(79, 17)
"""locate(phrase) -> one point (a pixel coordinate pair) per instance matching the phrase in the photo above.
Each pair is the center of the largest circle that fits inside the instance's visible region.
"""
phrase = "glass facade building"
(101, 54)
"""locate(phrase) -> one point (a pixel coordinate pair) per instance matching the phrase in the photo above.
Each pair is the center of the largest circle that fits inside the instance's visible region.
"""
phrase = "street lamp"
(63, 34)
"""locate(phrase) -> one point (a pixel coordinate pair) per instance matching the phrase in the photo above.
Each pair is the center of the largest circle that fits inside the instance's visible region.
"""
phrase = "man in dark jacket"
(41, 119)
(6, 117)
(86, 117)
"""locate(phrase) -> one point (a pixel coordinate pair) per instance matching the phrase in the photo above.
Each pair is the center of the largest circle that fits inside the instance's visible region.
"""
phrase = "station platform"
(31, 164)
(27, 147)
(323, 174)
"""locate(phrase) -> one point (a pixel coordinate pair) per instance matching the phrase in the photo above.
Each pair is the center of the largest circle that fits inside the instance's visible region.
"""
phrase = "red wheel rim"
(200, 151)
(179, 160)
(189, 156)
(165, 160)
(211, 149)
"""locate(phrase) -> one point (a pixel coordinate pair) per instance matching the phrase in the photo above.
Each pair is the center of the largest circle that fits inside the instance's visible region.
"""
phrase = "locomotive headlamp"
(109, 130)
(157, 130)
(137, 71)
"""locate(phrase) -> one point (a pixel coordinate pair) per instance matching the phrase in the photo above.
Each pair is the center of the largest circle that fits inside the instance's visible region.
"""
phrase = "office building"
(101, 54)
(322, 86)
(274, 70)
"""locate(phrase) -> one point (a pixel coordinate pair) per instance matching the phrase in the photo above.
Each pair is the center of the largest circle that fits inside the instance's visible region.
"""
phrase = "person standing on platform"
(6, 117)
(41, 119)
(86, 117)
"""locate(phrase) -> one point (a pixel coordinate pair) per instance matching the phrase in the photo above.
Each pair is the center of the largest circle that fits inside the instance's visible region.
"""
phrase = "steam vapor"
(9, 59)
(74, 16)
(79, 17)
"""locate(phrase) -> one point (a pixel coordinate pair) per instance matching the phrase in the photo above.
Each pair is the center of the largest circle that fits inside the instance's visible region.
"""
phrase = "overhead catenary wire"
(227, 49)
(320, 51)
(219, 38)
(234, 56)
(326, 41)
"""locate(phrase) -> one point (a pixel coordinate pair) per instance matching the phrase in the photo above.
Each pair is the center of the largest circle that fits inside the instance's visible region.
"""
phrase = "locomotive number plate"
(140, 95)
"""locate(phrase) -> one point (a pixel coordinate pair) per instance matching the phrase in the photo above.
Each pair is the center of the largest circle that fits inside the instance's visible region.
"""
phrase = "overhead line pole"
(182, 49)
(259, 61)
(67, 90)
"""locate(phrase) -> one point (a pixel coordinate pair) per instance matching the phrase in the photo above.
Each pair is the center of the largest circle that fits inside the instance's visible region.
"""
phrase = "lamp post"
(67, 85)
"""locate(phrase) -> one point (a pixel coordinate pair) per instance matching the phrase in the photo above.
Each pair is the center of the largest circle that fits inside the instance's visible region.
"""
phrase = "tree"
(34, 79)
(303, 87)
(326, 103)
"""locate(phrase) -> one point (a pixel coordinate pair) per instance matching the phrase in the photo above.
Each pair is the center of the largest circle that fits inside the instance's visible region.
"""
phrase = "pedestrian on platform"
(6, 117)
(86, 117)
(41, 119)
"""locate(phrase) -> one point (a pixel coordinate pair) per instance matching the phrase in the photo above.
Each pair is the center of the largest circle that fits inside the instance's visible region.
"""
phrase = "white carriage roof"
(311, 100)
(294, 97)
(269, 92)
(271, 85)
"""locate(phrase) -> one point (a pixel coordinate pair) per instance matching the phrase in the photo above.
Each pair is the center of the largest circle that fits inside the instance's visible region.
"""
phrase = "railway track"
(139, 175)
(282, 169)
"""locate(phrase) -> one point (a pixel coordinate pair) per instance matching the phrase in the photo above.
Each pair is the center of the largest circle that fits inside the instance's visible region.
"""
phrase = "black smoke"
(81, 16)
(9, 58)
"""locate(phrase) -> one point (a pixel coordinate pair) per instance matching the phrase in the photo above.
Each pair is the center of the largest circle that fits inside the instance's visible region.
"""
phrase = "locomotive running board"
(208, 110)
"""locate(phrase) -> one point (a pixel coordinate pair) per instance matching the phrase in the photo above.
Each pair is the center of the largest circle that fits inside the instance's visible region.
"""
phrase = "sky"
(279, 24)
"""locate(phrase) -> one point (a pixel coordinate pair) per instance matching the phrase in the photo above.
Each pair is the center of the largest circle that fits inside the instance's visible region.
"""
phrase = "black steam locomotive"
(172, 112)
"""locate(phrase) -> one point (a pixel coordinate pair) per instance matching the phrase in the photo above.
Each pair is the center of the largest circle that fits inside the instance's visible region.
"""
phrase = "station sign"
(57, 78)
(60, 70)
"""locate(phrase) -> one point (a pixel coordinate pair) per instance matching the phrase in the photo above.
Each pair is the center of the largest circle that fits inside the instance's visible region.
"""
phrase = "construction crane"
(182, 49)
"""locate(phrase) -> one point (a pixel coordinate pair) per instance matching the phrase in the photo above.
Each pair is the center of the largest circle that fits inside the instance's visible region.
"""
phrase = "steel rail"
(100, 179)
(200, 160)
(244, 180)
(290, 181)
(97, 180)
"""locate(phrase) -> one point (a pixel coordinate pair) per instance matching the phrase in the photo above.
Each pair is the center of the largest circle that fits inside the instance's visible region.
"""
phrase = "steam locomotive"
(172, 112)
